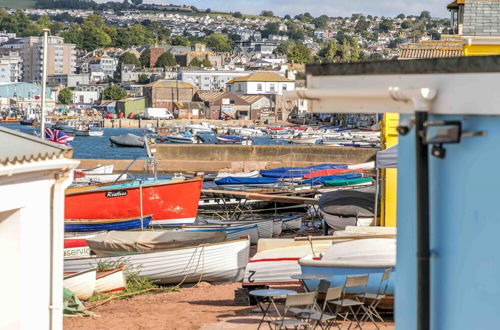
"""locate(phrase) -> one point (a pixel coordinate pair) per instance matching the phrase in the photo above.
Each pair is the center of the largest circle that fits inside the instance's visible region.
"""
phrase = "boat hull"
(217, 262)
(96, 225)
(167, 201)
(111, 280)
(82, 283)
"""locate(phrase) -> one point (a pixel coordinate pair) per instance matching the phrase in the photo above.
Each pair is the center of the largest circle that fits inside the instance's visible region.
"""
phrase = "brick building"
(163, 93)
(184, 55)
(227, 104)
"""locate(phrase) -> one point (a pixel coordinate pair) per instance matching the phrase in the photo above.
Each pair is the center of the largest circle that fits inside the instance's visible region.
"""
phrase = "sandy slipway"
(206, 307)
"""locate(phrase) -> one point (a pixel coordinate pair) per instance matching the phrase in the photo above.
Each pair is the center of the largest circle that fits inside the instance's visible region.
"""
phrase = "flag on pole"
(57, 136)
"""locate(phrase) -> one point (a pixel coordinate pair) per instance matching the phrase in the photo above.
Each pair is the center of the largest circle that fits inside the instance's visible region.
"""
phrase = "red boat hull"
(168, 202)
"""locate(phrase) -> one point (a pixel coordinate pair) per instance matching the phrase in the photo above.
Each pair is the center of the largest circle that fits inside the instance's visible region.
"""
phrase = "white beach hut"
(33, 176)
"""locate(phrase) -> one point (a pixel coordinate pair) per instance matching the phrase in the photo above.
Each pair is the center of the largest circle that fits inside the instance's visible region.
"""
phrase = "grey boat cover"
(128, 140)
(130, 242)
(349, 203)
(387, 158)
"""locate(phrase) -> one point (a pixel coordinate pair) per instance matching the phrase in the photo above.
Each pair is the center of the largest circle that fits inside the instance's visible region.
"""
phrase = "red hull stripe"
(73, 243)
(114, 290)
(279, 259)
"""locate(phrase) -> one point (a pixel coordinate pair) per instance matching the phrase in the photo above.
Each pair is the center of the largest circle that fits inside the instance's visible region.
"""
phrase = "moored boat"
(251, 174)
(233, 231)
(292, 222)
(107, 224)
(169, 201)
(82, 283)
(128, 141)
(216, 262)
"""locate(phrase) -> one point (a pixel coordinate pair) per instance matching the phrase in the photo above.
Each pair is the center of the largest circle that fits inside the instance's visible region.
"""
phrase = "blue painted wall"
(23, 90)
(465, 231)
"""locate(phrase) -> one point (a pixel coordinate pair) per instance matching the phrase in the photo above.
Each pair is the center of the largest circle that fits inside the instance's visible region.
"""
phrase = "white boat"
(200, 128)
(307, 141)
(216, 262)
(100, 178)
(277, 259)
(96, 132)
(245, 131)
(82, 282)
(88, 130)
(292, 223)
(111, 280)
(75, 244)
(252, 174)
(354, 257)
(233, 231)
(100, 169)
(265, 227)
(362, 166)
(277, 227)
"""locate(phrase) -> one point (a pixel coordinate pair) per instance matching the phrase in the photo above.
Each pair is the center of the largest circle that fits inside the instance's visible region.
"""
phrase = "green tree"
(355, 50)
(180, 41)
(165, 59)
(145, 58)
(219, 42)
(237, 15)
(56, 28)
(128, 58)
(143, 79)
(401, 16)
(159, 31)
(362, 25)
(195, 62)
(267, 13)
(406, 24)
(206, 63)
(271, 28)
(375, 57)
(386, 25)
(93, 38)
(299, 54)
(425, 15)
(114, 93)
(328, 53)
(346, 51)
(44, 22)
(65, 96)
(320, 22)
(137, 2)
(284, 47)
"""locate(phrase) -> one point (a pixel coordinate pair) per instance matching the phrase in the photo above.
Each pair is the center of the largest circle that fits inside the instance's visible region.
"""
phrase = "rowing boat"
(82, 283)
(107, 224)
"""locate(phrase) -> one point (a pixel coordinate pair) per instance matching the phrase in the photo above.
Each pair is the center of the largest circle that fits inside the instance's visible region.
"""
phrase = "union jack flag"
(57, 136)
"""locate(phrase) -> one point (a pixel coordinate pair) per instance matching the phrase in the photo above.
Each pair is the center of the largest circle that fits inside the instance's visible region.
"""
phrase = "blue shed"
(448, 215)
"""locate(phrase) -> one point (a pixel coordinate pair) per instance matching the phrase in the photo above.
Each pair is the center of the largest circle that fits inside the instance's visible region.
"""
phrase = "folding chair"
(323, 287)
(353, 306)
(326, 318)
(376, 298)
(306, 300)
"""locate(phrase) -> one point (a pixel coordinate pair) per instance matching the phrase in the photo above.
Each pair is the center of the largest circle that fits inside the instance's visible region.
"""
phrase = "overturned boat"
(128, 141)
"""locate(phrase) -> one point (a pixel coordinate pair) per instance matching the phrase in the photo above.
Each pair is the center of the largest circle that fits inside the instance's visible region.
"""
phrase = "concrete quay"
(212, 158)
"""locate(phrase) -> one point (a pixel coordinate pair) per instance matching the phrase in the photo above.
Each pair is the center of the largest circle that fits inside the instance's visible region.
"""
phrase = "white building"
(85, 98)
(33, 176)
(210, 80)
(261, 83)
(105, 64)
(11, 67)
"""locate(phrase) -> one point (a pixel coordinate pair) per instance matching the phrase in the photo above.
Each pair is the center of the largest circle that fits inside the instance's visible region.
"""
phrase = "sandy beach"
(206, 307)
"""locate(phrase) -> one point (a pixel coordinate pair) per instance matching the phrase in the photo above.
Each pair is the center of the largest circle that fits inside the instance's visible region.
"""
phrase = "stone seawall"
(212, 158)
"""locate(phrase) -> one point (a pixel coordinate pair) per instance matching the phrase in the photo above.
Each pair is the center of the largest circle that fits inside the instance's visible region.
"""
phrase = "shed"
(135, 105)
(33, 176)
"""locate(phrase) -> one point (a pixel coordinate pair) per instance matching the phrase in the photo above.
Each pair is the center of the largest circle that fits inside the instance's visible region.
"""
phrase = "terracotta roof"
(171, 84)
(431, 50)
(19, 148)
(261, 76)
(191, 105)
(208, 96)
(251, 98)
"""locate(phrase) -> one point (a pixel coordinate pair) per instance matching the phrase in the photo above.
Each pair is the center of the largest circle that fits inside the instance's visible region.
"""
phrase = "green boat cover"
(73, 305)
(348, 182)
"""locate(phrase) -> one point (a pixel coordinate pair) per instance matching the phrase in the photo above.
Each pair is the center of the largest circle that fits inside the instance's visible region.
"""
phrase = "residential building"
(188, 110)
(163, 93)
(270, 83)
(210, 80)
(33, 176)
(226, 104)
(11, 67)
(104, 63)
(184, 55)
(85, 99)
(130, 73)
(61, 58)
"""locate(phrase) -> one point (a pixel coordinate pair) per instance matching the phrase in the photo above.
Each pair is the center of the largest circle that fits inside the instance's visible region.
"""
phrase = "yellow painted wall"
(389, 137)
(481, 50)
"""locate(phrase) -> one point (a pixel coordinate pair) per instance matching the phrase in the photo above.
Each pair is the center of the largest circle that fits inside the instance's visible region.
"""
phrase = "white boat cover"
(387, 158)
(117, 242)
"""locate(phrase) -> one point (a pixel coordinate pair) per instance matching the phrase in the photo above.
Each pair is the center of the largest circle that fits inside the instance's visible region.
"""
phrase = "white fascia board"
(63, 164)
(458, 93)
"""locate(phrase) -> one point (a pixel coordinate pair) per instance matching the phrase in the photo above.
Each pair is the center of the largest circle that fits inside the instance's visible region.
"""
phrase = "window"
(284, 87)
(239, 87)
(272, 88)
(259, 87)
(82, 99)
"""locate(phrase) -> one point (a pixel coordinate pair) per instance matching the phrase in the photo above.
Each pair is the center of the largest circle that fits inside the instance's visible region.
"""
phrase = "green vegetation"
(65, 96)
(114, 93)
(219, 42)
(165, 59)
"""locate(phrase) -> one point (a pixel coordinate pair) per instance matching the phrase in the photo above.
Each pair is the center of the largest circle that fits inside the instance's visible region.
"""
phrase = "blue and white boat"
(236, 182)
(108, 224)
(354, 257)
(230, 139)
(297, 172)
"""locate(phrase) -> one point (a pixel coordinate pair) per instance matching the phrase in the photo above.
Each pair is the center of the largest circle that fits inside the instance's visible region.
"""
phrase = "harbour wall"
(212, 158)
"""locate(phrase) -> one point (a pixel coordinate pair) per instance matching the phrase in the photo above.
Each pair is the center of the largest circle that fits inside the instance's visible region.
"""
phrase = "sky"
(333, 8)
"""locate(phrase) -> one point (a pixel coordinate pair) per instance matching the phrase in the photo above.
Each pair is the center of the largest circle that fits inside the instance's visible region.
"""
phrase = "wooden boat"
(277, 259)
(356, 257)
(99, 178)
(168, 201)
(277, 227)
(100, 169)
(121, 243)
(111, 280)
(265, 227)
(252, 174)
(216, 262)
(107, 224)
(82, 283)
(233, 231)
(128, 141)
(292, 223)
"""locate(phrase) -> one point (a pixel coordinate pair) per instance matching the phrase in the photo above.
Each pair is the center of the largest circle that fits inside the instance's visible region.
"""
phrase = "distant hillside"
(17, 4)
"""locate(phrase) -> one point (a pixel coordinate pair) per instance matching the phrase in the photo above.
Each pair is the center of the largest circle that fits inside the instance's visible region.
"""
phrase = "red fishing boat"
(169, 201)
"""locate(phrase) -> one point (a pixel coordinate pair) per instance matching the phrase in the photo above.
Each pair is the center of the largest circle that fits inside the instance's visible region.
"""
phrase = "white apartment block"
(11, 67)
(210, 80)
(261, 83)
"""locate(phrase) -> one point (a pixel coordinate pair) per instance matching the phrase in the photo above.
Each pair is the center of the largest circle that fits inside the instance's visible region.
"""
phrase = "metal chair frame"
(357, 281)
(377, 299)
(294, 300)
(329, 317)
